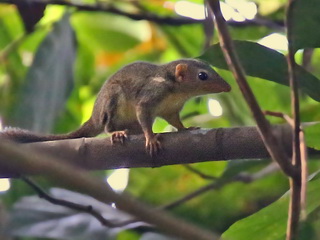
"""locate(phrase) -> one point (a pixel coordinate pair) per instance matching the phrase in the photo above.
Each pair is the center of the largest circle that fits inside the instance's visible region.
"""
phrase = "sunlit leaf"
(262, 62)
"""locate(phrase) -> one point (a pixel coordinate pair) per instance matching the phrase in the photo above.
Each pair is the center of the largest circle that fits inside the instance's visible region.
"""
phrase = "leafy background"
(49, 80)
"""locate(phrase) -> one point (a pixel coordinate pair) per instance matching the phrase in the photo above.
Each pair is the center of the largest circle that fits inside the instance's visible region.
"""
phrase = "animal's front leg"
(145, 118)
(174, 120)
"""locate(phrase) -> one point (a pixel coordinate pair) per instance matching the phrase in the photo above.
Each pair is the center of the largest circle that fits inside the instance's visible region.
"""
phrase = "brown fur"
(131, 99)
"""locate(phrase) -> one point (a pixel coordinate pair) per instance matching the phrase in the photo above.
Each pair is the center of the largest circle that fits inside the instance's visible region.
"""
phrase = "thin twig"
(61, 202)
(111, 9)
(275, 149)
(307, 58)
(240, 177)
(286, 117)
(78, 207)
(304, 157)
(304, 175)
(11, 47)
(294, 209)
(175, 21)
(199, 173)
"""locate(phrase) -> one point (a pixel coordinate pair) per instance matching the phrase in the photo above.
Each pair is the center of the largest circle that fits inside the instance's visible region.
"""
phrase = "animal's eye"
(202, 76)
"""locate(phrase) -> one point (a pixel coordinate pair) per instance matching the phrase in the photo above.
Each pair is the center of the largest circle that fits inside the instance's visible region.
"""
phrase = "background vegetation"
(51, 72)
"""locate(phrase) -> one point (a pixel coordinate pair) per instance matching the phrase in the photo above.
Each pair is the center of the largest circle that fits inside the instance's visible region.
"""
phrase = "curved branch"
(72, 205)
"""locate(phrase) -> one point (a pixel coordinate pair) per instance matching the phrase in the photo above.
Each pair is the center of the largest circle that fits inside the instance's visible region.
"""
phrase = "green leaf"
(12, 69)
(109, 33)
(262, 62)
(303, 22)
(313, 136)
(49, 80)
(270, 222)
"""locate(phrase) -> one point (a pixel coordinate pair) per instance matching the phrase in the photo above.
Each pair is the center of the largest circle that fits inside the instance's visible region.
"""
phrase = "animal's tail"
(88, 129)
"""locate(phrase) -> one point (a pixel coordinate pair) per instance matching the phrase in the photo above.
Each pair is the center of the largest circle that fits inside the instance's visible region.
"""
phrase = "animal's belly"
(170, 105)
(126, 117)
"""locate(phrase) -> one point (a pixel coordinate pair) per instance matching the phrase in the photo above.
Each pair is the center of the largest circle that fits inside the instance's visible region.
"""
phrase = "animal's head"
(199, 76)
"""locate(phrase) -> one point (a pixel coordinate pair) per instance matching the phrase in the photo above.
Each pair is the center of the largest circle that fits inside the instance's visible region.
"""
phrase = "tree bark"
(178, 148)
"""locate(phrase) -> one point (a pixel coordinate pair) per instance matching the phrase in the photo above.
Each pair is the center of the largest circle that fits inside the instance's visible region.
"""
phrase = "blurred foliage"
(105, 42)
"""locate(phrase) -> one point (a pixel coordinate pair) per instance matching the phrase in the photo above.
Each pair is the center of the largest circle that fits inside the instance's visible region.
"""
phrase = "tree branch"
(219, 183)
(296, 181)
(75, 206)
(275, 149)
(74, 178)
(165, 20)
(176, 21)
(240, 177)
(199, 173)
(178, 148)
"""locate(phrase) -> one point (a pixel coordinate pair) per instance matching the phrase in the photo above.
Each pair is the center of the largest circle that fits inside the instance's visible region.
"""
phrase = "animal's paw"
(153, 145)
(119, 136)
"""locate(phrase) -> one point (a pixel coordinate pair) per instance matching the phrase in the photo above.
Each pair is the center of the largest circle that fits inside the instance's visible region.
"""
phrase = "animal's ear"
(181, 72)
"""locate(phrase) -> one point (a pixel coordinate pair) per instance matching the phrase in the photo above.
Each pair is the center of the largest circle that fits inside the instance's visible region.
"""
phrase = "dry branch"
(275, 149)
(178, 148)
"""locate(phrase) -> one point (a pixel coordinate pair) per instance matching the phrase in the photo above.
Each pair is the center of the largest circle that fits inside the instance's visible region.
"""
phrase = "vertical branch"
(295, 106)
(290, 168)
(304, 175)
(298, 183)
(294, 209)
(295, 182)
(274, 148)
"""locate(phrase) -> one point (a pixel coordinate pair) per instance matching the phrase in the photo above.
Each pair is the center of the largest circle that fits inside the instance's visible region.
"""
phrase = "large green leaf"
(265, 63)
(49, 80)
(270, 222)
(303, 22)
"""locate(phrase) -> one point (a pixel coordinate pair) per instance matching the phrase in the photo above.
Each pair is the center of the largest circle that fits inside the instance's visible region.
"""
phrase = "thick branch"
(74, 178)
(178, 148)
